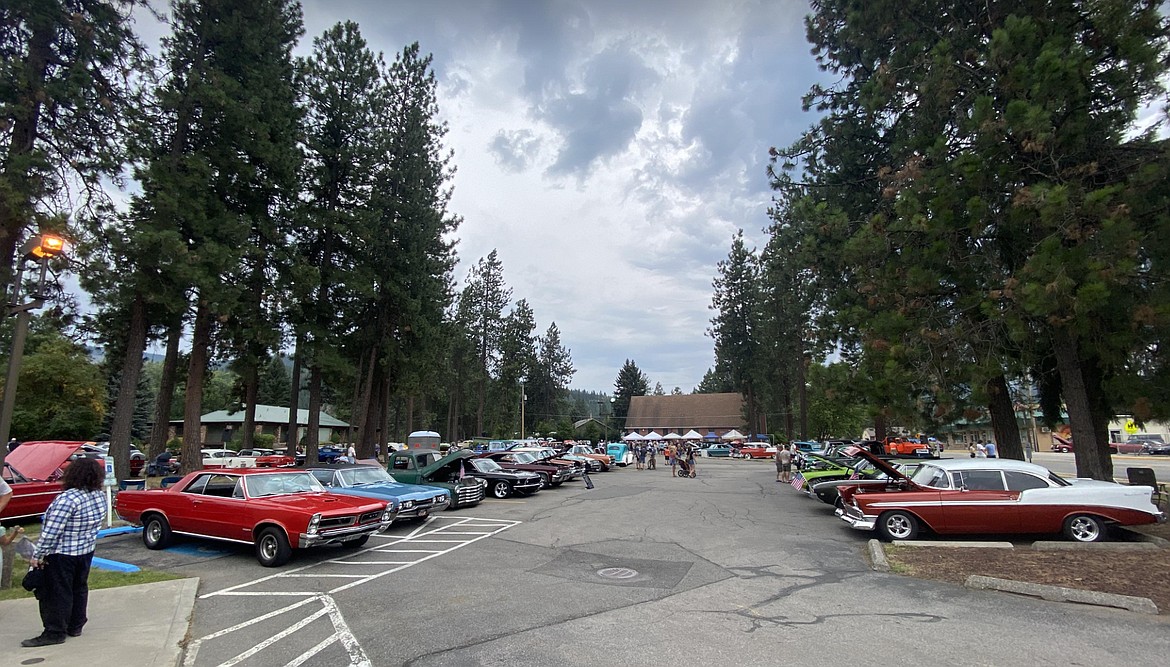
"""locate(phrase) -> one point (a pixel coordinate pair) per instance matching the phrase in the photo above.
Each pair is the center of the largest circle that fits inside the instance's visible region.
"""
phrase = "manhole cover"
(617, 573)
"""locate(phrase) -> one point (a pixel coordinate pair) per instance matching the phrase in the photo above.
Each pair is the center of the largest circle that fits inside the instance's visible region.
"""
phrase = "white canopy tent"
(692, 435)
(672, 436)
(652, 435)
(733, 435)
(630, 437)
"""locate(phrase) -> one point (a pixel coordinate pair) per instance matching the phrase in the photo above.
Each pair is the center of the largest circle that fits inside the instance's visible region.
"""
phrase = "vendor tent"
(630, 437)
(733, 435)
(652, 435)
(692, 435)
(673, 436)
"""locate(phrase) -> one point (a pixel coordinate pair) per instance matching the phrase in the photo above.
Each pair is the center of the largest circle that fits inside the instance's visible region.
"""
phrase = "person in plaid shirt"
(65, 549)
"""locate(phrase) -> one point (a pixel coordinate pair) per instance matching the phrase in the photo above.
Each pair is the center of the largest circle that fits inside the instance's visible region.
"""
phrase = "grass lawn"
(97, 579)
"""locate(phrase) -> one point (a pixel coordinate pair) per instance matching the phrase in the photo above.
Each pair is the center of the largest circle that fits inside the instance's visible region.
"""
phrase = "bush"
(335, 438)
(264, 441)
(175, 445)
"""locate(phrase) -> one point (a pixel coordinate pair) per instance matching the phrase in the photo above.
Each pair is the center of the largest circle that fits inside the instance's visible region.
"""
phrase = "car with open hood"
(605, 460)
(577, 464)
(275, 510)
(415, 501)
(429, 467)
(501, 483)
(985, 495)
(33, 470)
(550, 474)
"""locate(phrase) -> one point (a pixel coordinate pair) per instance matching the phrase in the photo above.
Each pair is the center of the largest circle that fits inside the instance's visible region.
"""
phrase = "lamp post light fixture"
(40, 249)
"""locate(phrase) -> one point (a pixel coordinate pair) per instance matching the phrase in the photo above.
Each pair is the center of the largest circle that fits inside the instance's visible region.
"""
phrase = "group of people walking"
(981, 450)
(646, 455)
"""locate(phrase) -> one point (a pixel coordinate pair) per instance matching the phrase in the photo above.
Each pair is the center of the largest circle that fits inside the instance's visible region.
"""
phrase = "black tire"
(556, 484)
(897, 525)
(544, 483)
(501, 489)
(1085, 528)
(156, 532)
(272, 548)
(359, 542)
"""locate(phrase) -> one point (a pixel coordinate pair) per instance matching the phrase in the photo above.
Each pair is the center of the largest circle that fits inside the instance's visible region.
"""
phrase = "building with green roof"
(223, 425)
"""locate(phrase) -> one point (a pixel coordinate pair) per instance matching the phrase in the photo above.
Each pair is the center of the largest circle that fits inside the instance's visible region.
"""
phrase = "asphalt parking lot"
(730, 568)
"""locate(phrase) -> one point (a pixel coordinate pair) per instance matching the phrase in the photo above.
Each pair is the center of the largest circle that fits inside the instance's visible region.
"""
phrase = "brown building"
(705, 413)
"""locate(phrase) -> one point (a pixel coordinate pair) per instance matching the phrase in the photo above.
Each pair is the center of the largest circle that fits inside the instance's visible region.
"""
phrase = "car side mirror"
(964, 488)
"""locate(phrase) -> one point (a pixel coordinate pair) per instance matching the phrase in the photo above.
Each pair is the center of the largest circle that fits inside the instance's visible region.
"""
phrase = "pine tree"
(735, 326)
(631, 381)
(481, 308)
(658, 390)
(275, 382)
(554, 370)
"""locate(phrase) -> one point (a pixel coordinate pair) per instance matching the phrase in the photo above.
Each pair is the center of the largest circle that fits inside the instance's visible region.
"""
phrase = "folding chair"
(1146, 477)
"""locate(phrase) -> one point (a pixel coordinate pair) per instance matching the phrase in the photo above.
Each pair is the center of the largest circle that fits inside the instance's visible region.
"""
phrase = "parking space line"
(371, 562)
(407, 551)
(300, 659)
(275, 638)
(313, 576)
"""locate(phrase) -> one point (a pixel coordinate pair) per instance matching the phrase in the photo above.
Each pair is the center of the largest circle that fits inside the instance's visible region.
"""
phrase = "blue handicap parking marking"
(200, 550)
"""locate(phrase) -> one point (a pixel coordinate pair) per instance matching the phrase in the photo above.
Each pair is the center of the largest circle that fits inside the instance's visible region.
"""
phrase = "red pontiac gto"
(273, 509)
(971, 496)
(32, 470)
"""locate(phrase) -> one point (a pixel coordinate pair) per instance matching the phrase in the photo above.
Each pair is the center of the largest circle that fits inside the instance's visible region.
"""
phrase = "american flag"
(855, 475)
(798, 481)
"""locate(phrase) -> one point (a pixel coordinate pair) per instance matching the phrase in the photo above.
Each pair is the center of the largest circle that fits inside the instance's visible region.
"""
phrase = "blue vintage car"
(621, 453)
(415, 501)
(718, 450)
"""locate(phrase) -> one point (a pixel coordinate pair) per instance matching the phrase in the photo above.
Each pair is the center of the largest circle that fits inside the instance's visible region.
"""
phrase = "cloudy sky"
(608, 149)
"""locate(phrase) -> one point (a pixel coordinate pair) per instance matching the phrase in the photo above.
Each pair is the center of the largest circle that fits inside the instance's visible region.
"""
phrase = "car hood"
(325, 503)
(509, 474)
(397, 490)
(881, 465)
(39, 460)
(448, 461)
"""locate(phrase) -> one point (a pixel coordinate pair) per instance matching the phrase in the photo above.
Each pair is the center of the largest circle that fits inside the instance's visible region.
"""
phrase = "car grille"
(367, 517)
(336, 522)
(470, 493)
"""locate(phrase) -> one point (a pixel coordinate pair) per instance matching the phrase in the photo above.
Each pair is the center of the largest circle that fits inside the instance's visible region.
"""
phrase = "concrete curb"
(956, 544)
(180, 626)
(877, 556)
(1042, 545)
(1139, 536)
(1062, 594)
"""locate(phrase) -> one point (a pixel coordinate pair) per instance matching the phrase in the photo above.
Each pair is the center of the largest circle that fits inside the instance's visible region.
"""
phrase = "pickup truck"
(431, 468)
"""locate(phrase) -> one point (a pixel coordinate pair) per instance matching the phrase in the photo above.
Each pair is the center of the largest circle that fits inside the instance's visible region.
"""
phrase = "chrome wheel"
(501, 489)
(268, 547)
(1085, 529)
(898, 527)
(154, 532)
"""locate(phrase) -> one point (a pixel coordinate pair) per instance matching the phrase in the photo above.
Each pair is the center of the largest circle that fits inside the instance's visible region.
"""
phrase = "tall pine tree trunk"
(1003, 419)
(192, 455)
(128, 390)
(364, 402)
(879, 427)
(409, 415)
(384, 411)
(1076, 401)
(313, 430)
(802, 395)
(166, 392)
(398, 420)
(1101, 411)
(294, 402)
(251, 386)
(350, 431)
(22, 141)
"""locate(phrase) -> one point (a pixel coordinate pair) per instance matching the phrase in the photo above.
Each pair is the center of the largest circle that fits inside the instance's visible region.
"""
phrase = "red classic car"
(757, 450)
(275, 510)
(983, 495)
(32, 470)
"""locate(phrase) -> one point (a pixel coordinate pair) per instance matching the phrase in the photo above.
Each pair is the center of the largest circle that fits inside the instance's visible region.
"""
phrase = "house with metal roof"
(712, 415)
(223, 425)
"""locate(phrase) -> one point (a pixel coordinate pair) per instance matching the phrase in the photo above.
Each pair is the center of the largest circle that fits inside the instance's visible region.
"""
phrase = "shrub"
(264, 441)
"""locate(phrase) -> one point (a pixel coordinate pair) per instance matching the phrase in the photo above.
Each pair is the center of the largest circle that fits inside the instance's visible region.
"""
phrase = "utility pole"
(523, 398)
(41, 249)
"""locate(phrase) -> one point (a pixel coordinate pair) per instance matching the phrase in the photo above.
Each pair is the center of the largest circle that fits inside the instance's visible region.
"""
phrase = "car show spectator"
(783, 464)
(351, 454)
(991, 450)
(651, 452)
(980, 451)
(972, 449)
(13, 444)
(65, 549)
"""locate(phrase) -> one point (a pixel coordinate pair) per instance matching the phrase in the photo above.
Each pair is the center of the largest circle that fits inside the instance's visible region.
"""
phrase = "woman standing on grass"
(65, 549)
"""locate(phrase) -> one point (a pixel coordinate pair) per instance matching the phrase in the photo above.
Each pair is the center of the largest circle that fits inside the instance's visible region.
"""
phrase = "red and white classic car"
(971, 496)
(273, 509)
(32, 470)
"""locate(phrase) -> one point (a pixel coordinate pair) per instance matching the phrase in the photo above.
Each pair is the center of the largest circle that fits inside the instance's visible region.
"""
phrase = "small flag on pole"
(855, 475)
(798, 481)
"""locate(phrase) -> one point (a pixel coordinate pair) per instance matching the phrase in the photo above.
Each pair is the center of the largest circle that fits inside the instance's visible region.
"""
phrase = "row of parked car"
(901, 497)
(277, 509)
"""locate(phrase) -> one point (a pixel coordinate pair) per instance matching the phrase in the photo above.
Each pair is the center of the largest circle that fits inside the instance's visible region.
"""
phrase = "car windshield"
(367, 475)
(523, 457)
(281, 483)
(931, 476)
(485, 465)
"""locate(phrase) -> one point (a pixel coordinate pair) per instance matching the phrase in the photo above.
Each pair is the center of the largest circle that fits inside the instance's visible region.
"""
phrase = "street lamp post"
(523, 399)
(41, 249)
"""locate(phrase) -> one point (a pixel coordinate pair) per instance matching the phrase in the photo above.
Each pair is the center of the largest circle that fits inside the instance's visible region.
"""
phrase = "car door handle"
(196, 502)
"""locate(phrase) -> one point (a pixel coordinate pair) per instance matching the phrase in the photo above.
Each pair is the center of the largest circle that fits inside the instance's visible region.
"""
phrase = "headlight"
(407, 504)
(313, 523)
(388, 513)
(441, 499)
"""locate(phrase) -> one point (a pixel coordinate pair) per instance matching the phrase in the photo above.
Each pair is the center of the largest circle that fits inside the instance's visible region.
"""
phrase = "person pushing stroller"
(686, 461)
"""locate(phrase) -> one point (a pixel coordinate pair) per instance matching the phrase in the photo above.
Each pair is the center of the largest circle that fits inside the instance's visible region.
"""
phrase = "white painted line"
(275, 638)
(193, 647)
(372, 562)
(437, 541)
(462, 532)
(408, 551)
(314, 576)
(302, 658)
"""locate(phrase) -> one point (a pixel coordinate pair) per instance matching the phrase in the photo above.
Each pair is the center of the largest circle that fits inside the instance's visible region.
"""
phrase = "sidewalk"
(132, 625)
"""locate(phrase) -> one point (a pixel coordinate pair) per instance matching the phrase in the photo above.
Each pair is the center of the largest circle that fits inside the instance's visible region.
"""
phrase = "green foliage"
(550, 378)
(835, 407)
(275, 383)
(61, 393)
(631, 381)
(264, 440)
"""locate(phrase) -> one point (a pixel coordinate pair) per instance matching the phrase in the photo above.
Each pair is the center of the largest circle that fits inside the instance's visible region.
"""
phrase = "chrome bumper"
(856, 520)
(1161, 516)
(338, 535)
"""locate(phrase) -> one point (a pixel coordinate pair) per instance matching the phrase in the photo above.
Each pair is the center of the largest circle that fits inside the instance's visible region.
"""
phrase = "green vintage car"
(431, 467)
(819, 468)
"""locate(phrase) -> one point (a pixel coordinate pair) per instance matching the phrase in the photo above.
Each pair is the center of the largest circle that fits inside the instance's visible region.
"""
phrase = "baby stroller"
(686, 467)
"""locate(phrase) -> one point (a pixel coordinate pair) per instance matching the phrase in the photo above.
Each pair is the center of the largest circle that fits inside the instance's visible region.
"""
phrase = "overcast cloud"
(609, 150)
